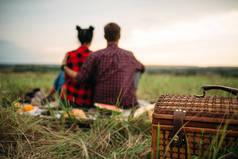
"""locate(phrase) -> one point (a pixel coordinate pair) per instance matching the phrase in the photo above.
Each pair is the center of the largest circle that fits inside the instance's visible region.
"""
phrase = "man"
(112, 71)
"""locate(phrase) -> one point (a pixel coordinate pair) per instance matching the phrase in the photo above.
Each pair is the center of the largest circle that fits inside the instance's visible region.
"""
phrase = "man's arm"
(139, 66)
(85, 72)
(71, 73)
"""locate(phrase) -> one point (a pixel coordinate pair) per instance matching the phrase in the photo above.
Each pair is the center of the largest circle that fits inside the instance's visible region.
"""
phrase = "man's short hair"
(112, 32)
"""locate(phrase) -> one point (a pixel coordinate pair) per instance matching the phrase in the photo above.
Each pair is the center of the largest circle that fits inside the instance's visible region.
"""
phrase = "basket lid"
(224, 107)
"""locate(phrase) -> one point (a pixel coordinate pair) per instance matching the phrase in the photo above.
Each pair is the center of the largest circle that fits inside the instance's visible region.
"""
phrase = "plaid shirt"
(112, 69)
(78, 93)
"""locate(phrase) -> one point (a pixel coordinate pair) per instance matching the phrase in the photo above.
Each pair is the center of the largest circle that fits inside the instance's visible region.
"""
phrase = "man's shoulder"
(125, 51)
(106, 51)
(98, 53)
(94, 55)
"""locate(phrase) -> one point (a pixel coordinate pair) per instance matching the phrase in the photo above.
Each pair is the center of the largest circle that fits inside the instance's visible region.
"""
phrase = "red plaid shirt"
(78, 93)
(112, 70)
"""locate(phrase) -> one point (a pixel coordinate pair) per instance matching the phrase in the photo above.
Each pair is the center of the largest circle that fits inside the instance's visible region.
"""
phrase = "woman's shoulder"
(71, 52)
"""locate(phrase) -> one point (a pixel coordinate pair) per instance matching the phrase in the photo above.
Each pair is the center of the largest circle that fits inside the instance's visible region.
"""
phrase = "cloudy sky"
(159, 32)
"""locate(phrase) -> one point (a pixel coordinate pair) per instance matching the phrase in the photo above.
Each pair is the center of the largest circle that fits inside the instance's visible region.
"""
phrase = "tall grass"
(107, 137)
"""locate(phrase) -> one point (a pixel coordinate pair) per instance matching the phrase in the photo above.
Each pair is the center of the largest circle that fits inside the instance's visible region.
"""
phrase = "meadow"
(32, 137)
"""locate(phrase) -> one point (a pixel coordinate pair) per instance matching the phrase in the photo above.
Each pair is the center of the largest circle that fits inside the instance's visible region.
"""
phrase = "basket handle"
(205, 88)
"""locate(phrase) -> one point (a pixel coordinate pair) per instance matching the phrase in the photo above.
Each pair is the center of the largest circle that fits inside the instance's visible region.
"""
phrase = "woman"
(77, 94)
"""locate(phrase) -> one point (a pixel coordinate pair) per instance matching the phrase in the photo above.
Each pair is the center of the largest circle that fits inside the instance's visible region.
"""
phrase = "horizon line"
(148, 65)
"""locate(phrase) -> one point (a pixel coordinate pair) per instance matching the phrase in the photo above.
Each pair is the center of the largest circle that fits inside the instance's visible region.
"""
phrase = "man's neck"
(112, 42)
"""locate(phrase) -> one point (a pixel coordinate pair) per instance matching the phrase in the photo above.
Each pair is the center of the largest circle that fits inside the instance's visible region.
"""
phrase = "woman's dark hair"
(85, 35)
(112, 32)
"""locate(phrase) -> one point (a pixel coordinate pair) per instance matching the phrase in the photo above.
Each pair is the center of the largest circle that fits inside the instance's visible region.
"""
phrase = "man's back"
(113, 73)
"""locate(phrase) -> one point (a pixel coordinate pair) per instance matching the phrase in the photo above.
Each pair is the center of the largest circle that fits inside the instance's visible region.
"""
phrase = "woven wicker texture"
(205, 118)
(198, 143)
(207, 106)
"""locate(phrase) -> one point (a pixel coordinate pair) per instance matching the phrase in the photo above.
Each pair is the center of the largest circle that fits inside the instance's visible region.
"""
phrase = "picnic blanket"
(32, 105)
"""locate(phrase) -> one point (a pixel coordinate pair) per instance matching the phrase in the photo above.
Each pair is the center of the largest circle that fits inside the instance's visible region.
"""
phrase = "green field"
(151, 86)
(31, 137)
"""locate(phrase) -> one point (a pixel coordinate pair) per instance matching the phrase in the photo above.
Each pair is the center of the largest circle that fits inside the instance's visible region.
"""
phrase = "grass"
(31, 137)
(152, 86)
(15, 85)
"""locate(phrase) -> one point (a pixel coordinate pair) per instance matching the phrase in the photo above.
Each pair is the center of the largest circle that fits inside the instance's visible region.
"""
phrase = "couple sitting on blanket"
(108, 76)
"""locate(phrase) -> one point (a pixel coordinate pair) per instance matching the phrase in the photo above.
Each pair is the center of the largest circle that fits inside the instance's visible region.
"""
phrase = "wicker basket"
(184, 126)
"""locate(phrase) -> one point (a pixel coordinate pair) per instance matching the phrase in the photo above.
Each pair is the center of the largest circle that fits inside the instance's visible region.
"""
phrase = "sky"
(158, 32)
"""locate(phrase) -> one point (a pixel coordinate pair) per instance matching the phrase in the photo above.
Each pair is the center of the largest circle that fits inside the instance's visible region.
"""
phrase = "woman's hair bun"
(78, 27)
(85, 35)
(91, 28)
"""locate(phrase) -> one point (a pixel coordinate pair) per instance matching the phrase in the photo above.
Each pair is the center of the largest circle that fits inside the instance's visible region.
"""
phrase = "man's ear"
(78, 27)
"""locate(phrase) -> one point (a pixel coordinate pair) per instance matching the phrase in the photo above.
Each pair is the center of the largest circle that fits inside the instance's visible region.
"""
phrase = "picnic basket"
(187, 126)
